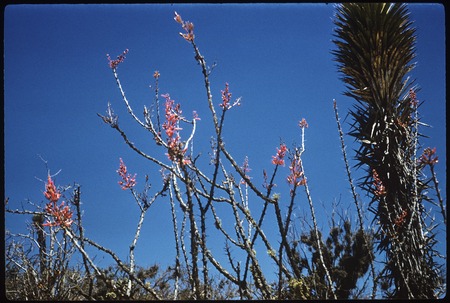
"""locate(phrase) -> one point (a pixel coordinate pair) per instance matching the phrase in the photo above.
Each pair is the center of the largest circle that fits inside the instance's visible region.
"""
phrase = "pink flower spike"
(380, 189)
(279, 158)
(51, 193)
(429, 157)
(303, 123)
(413, 98)
(173, 116)
(187, 26)
(296, 177)
(226, 96)
(114, 63)
(62, 215)
(127, 181)
(226, 99)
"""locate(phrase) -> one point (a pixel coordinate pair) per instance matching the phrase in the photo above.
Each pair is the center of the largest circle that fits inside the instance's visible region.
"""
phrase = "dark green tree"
(347, 254)
(375, 48)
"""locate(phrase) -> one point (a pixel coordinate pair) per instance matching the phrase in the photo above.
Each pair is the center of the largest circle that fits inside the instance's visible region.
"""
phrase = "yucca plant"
(375, 51)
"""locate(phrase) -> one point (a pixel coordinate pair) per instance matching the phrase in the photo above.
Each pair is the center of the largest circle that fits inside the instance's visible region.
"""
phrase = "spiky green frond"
(376, 46)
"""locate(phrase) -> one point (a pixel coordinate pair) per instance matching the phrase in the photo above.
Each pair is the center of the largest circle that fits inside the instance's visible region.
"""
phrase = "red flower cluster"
(51, 193)
(187, 26)
(399, 221)
(297, 176)
(114, 63)
(127, 181)
(429, 157)
(226, 97)
(173, 117)
(380, 190)
(62, 214)
(171, 126)
(281, 153)
(413, 98)
(303, 123)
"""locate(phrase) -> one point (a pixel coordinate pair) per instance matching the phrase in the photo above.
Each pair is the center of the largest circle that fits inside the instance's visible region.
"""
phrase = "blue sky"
(276, 57)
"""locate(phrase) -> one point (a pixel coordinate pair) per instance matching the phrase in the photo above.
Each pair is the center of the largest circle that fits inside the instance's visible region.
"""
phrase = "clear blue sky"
(277, 57)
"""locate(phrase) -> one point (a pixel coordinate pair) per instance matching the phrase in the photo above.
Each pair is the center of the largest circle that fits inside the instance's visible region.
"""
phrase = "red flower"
(413, 98)
(380, 190)
(296, 176)
(62, 214)
(187, 26)
(303, 123)
(51, 192)
(226, 96)
(114, 63)
(279, 158)
(127, 181)
(172, 127)
(399, 220)
(429, 157)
